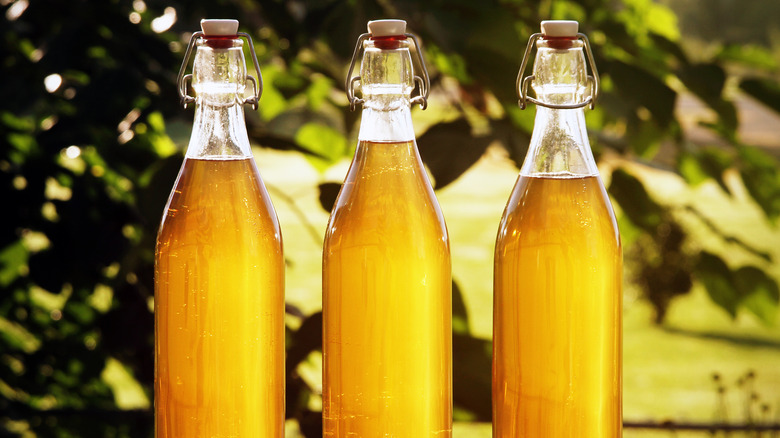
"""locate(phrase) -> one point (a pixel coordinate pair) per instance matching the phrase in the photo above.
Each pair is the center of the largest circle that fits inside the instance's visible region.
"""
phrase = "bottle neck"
(387, 124)
(386, 82)
(219, 80)
(219, 131)
(559, 144)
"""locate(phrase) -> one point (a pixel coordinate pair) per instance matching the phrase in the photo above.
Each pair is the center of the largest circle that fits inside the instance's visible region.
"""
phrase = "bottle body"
(387, 301)
(557, 327)
(557, 323)
(219, 306)
(219, 273)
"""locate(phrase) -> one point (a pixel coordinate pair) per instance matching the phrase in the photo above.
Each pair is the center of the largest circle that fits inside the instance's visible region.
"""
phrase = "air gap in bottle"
(387, 342)
(558, 264)
(219, 272)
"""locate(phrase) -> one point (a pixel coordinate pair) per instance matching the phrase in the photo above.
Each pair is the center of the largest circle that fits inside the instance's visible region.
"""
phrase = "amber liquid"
(557, 323)
(387, 302)
(219, 306)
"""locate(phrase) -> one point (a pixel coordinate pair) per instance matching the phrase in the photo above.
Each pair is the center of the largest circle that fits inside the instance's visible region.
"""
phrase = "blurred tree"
(86, 162)
(750, 21)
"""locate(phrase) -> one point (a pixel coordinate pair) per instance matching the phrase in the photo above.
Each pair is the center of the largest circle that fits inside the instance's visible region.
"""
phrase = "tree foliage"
(88, 110)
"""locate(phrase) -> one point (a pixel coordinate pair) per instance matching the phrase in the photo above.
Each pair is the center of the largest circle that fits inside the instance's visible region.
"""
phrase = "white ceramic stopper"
(213, 27)
(560, 28)
(380, 28)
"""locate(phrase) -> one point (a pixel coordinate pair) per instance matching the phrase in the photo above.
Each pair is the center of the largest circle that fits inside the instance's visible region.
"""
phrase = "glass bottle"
(219, 271)
(558, 265)
(387, 341)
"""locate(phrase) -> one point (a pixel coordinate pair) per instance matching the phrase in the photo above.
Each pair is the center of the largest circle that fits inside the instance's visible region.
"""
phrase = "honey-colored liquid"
(557, 324)
(219, 306)
(387, 302)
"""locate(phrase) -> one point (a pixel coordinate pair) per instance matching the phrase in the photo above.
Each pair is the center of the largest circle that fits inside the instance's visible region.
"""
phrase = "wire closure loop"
(183, 80)
(523, 83)
(423, 83)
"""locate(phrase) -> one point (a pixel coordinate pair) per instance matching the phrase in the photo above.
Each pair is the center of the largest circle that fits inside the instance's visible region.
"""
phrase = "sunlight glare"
(52, 82)
(164, 21)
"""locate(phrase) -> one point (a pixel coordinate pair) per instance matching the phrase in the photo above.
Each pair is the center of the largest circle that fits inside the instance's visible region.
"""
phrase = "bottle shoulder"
(214, 197)
(555, 208)
(559, 144)
(388, 202)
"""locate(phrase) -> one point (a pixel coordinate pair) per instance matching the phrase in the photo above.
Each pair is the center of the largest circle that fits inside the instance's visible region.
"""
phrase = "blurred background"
(686, 134)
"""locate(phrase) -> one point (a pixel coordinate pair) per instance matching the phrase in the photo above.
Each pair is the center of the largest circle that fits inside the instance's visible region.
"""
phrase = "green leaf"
(670, 47)
(471, 383)
(318, 91)
(640, 88)
(749, 55)
(707, 81)
(646, 138)
(161, 142)
(691, 169)
(568, 10)
(759, 291)
(280, 143)
(451, 64)
(714, 162)
(634, 200)
(306, 339)
(449, 150)
(716, 277)
(22, 142)
(12, 258)
(629, 232)
(272, 102)
(513, 139)
(764, 90)
(290, 83)
(154, 184)
(326, 143)
(726, 237)
(644, 16)
(18, 123)
(761, 176)
(82, 312)
(460, 316)
(156, 121)
(328, 194)
(128, 393)
(16, 337)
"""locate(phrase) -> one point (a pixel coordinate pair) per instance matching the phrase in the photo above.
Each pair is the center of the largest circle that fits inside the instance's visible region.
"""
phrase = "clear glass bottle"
(219, 271)
(558, 266)
(387, 342)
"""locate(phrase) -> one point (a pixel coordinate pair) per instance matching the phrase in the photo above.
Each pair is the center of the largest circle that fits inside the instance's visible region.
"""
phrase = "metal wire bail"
(257, 83)
(350, 84)
(423, 83)
(522, 83)
(182, 80)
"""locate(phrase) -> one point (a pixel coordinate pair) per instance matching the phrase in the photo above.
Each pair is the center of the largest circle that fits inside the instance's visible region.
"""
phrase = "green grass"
(667, 369)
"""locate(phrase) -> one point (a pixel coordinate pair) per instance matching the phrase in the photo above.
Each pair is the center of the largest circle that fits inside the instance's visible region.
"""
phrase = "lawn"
(668, 369)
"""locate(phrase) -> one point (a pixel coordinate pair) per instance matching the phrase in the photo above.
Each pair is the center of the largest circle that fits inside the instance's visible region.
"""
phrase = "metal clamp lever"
(522, 83)
(182, 79)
